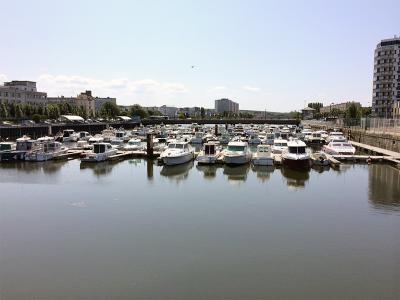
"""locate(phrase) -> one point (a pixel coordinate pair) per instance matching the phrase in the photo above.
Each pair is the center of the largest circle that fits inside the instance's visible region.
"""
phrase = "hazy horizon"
(262, 54)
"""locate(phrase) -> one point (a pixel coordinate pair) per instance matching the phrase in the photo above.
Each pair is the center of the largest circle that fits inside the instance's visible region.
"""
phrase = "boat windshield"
(346, 145)
(137, 143)
(236, 148)
(297, 150)
(4, 147)
(281, 144)
(176, 146)
(99, 148)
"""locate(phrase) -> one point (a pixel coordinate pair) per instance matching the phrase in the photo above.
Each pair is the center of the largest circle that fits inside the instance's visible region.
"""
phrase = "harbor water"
(136, 230)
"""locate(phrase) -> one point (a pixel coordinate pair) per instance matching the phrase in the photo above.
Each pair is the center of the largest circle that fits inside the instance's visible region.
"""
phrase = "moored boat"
(209, 153)
(178, 152)
(263, 156)
(237, 153)
(101, 152)
(296, 155)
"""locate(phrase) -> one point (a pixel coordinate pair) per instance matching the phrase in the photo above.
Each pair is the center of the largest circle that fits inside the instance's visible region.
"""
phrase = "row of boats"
(231, 146)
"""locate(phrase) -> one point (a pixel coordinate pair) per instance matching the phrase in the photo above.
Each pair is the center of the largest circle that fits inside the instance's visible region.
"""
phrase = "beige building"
(84, 99)
(21, 92)
(342, 107)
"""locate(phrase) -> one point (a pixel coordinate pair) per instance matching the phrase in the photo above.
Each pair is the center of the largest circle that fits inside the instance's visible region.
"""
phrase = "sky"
(273, 55)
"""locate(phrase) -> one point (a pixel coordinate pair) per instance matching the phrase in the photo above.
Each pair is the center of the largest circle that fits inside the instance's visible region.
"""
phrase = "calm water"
(134, 230)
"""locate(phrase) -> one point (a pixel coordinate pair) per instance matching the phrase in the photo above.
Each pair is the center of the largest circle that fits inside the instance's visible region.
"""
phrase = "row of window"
(387, 52)
(385, 77)
(385, 61)
(387, 94)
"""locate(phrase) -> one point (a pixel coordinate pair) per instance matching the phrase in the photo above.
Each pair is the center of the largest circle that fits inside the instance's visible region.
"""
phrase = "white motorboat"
(84, 136)
(84, 145)
(316, 138)
(263, 156)
(296, 156)
(224, 139)
(100, 152)
(209, 153)
(133, 145)
(269, 138)
(69, 136)
(279, 146)
(98, 138)
(338, 147)
(254, 139)
(334, 135)
(237, 153)
(23, 145)
(45, 149)
(6, 148)
(197, 139)
(178, 152)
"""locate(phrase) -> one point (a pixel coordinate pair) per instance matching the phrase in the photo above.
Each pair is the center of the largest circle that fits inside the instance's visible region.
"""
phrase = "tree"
(109, 110)
(202, 112)
(137, 110)
(18, 112)
(316, 105)
(36, 118)
(352, 111)
(181, 115)
(4, 111)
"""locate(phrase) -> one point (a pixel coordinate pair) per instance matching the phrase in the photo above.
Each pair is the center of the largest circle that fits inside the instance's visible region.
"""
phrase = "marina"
(117, 225)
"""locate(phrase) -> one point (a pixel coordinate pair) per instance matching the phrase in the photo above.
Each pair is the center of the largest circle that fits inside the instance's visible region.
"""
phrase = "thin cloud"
(125, 90)
(251, 88)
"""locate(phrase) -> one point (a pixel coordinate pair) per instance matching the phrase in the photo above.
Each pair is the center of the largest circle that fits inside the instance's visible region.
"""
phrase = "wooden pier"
(71, 154)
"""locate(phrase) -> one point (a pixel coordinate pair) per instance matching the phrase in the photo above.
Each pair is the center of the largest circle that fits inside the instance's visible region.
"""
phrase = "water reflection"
(263, 172)
(384, 186)
(236, 174)
(99, 169)
(27, 172)
(320, 169)
(295, 178)
(177, 173)
(209, 171)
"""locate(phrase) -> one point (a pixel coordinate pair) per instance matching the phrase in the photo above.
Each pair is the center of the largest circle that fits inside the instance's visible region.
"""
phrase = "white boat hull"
(98, 157)
(237, 159)
(177, 160)
(263, 161)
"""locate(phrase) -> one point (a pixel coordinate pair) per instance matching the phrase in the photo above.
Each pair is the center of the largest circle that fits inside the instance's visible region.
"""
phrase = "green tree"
(19, 114)
(181, 115)
(202, 112)
(137, 110)
(353, 111)
(109, 110)
(316, 105)
(4, 111)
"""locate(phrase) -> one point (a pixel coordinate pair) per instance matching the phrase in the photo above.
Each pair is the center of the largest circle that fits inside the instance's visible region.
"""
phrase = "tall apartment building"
(386, 88)
(21, 92)
(227, 105)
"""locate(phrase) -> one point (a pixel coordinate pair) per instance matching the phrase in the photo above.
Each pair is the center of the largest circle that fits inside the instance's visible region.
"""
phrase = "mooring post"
(216, 129)
(150, 169)
(149, 145)
(49, 133)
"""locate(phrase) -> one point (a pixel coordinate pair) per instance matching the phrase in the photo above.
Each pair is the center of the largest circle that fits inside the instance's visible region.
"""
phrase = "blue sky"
(273, 55)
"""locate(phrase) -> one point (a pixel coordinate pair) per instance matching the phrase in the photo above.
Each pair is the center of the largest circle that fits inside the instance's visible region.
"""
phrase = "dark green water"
(134, 230)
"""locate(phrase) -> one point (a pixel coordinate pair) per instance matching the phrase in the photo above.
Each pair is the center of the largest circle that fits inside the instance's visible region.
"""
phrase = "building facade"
(84, 100)
(386, 85)
(169, 111)
(342, 107)
(21, 92)
(226, 105)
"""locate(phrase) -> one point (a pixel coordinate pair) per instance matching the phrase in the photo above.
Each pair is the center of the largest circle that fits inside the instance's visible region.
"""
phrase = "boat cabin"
(101, 147)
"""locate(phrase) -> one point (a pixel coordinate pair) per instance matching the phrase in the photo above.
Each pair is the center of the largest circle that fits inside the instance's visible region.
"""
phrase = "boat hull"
(177, 160)
(296, 163)
(263, 161)
(206, 160)
(236, 159)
